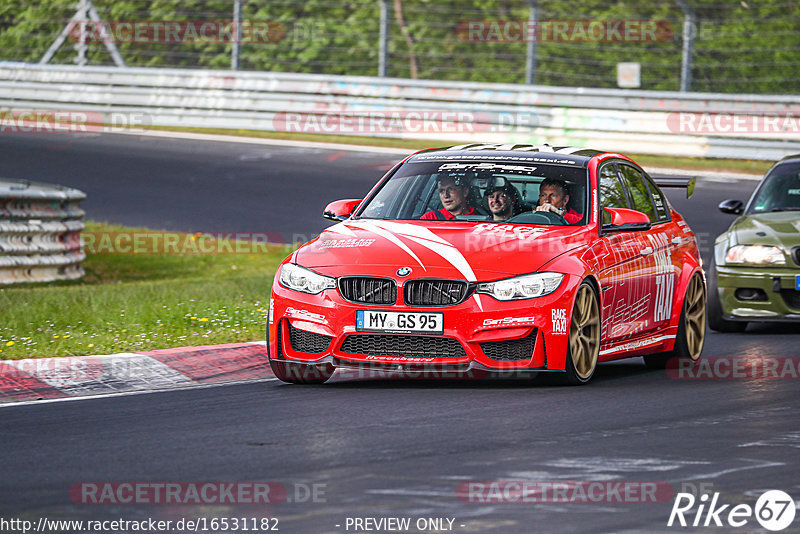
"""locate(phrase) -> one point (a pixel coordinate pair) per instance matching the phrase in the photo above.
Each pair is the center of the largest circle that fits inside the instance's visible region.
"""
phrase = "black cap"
(510, 191)
(462, 178)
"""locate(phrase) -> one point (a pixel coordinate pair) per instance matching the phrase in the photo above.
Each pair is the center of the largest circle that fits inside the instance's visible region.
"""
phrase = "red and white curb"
(80, 376)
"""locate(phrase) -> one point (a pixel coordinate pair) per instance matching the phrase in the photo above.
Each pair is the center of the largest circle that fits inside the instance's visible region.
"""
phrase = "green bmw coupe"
(755, 273)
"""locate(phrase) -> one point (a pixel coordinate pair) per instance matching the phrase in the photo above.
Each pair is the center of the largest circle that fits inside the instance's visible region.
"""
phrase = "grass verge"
(130, 302)
(646, 160)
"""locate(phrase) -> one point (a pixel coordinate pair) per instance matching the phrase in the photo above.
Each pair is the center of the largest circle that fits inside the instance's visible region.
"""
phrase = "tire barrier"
(40, 232)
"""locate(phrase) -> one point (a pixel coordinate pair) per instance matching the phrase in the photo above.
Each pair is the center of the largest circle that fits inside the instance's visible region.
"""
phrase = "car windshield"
(461, 191)
(780, 191)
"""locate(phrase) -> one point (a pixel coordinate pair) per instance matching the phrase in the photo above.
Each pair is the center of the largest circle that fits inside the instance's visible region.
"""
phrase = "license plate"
(399, 322)
(797, 282)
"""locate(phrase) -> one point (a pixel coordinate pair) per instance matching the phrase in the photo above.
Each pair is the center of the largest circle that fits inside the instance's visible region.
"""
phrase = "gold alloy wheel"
(695, 317)
(584, 332)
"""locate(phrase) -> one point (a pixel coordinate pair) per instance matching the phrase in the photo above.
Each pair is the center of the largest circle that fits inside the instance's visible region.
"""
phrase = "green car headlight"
(522, 287)
(755, 255)
(304, 280)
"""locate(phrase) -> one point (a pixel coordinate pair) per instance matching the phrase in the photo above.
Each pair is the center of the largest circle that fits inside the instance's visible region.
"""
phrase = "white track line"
(274, 142)
(388, 150)
(127, 393)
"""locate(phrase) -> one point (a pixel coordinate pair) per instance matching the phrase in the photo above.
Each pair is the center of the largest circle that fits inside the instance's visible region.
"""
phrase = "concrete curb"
(80, 376)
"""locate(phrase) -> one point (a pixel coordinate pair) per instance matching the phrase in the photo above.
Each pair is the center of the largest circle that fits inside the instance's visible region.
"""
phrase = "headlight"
(522, 287)
(301, 279)
(755, 255)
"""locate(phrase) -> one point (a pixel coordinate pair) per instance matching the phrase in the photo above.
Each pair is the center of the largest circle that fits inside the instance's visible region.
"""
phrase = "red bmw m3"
(495, 258)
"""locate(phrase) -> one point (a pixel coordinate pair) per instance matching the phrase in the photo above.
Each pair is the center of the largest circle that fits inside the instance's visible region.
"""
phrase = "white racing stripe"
(423, 237)
(341, 229)
(388, 235)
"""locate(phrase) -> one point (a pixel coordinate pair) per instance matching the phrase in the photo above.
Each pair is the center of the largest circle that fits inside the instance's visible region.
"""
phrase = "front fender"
(575, 271)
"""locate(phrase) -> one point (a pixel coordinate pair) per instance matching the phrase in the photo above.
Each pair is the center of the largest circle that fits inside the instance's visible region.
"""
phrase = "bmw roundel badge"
(403, 271)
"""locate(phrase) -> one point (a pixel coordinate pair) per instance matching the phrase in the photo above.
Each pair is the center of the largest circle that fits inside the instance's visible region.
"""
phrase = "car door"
(657, 247)
(621, 266)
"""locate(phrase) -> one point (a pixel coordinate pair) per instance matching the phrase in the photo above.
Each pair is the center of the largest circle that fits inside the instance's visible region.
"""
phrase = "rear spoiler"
(673, 181)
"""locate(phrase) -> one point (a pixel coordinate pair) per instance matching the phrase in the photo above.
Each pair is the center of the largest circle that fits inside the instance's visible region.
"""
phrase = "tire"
(583, 347)
(301, 373)
(715, 318)
(691, 328)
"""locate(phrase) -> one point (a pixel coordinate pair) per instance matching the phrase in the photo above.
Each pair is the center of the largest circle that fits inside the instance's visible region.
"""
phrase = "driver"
(454, 194)
(553, 197)
(503, 201)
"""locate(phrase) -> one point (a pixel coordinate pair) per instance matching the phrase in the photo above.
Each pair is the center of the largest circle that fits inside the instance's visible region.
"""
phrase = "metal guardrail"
(40, 227)
(669, 123)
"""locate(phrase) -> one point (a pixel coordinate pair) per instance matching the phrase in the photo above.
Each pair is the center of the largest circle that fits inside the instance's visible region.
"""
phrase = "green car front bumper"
(759, 293)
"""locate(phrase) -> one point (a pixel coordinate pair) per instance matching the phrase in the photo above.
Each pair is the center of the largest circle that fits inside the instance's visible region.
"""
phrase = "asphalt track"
(376, 447)
(195, 186)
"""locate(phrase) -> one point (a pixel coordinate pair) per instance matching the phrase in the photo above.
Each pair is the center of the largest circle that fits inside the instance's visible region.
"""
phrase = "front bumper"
(481, 333)
(778, 295)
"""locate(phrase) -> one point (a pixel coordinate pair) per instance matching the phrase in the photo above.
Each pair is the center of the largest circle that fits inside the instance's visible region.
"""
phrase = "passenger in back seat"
(504, 201)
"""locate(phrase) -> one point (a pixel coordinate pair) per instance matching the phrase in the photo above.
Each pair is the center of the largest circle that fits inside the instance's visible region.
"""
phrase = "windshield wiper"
(785, 209)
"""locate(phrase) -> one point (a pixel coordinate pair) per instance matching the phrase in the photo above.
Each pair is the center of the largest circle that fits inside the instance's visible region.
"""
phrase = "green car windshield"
(780, 191)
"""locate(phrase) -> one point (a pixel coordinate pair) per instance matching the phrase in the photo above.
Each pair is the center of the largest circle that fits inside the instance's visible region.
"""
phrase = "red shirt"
(572, 216)
(431, 215)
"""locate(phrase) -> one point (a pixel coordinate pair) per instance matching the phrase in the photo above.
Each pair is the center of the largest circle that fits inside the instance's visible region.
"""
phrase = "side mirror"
(624, 220)
(734, 207)
(341, 209)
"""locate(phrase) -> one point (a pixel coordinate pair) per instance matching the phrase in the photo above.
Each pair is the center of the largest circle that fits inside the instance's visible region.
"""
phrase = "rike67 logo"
(774, 510)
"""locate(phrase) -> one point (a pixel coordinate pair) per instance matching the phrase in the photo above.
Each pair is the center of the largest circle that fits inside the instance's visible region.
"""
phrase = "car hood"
(779, 228)
(464, 250)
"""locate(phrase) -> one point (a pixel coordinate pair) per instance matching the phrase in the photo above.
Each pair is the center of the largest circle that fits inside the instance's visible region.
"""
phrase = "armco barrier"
(40, 226)
(655, 122)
